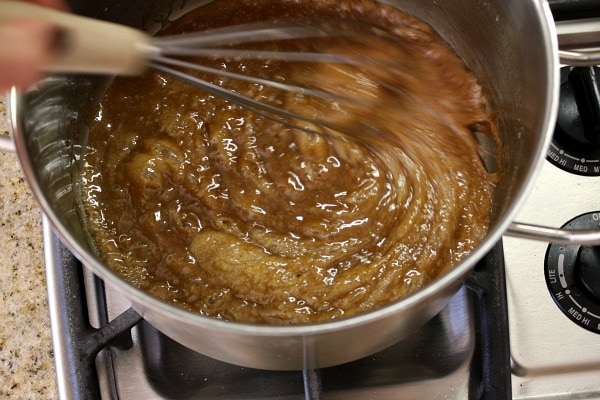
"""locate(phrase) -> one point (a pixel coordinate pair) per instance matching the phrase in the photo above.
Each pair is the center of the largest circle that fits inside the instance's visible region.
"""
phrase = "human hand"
(25, 44)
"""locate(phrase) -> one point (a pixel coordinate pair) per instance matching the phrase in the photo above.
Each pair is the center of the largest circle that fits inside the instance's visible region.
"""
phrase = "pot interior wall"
(502, 42)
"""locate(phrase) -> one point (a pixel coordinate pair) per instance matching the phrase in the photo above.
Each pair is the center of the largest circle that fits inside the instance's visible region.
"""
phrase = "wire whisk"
(98, 47)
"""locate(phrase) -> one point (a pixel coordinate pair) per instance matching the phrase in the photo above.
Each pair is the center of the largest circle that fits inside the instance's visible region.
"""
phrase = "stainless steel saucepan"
(511, 45)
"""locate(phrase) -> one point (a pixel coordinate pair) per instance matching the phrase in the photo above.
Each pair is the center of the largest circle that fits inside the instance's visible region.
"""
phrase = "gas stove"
(553, 303)
(525, 325)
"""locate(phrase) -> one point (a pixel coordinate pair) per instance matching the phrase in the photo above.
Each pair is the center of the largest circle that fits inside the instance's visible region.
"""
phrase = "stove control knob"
(575, 146)
(573, 276)
(588, 269)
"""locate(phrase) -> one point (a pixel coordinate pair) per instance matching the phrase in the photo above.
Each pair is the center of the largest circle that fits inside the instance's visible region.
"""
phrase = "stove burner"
(576, 143)
(573, 276)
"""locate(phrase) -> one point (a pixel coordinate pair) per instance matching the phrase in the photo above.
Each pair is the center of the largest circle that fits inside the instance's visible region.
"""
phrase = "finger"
(25, 46)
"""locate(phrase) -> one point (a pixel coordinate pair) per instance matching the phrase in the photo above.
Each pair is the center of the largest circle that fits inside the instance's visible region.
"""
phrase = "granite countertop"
(26, 359)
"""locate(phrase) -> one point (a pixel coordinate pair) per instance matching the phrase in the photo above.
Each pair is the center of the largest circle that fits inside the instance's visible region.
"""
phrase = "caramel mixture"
(229, 214)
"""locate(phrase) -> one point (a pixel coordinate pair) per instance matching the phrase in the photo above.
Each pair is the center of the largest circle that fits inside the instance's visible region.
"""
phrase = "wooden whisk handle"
(85, 45)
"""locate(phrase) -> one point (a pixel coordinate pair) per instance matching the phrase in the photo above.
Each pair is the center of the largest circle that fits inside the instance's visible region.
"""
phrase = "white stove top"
(552, 357)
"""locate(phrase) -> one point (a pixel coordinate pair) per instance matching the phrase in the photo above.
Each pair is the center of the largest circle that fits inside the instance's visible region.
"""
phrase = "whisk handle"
(86, 45)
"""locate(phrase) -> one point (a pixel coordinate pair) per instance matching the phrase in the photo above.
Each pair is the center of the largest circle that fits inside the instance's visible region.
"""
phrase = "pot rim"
(445, 281)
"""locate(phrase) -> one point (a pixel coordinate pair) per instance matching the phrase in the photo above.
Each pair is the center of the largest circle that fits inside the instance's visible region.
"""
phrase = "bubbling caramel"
(229, 214)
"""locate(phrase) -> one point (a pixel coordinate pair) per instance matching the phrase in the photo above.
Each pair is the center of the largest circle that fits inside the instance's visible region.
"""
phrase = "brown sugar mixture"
(229, 214)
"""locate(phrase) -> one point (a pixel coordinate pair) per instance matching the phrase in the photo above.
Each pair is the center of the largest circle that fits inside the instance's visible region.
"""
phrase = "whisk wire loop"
(182, 56)
(272, 112)
(242, 34)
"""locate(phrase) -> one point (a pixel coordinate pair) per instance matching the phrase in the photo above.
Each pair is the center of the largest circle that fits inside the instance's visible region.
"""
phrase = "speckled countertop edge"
(26, 360)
